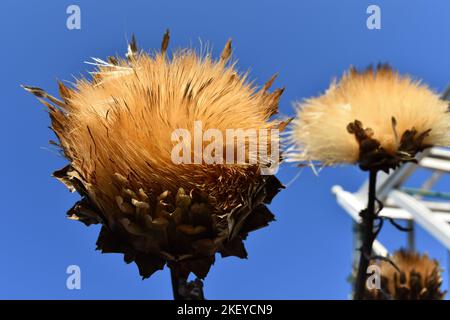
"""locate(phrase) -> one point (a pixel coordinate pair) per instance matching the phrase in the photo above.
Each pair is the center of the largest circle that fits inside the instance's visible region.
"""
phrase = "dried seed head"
(376, 118)
(116, 132)
(418, 278)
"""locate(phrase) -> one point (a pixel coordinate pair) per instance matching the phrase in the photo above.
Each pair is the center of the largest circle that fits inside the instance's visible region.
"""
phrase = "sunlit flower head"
(116, 133)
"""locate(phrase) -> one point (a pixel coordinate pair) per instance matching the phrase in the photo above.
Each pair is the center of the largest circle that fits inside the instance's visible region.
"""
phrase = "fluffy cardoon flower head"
(116, 133)
(418, 278)
(376, 118)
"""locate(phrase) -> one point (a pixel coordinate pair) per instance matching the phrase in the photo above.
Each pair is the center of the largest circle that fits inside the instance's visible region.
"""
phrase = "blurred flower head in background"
(376, 118)
(418, 278)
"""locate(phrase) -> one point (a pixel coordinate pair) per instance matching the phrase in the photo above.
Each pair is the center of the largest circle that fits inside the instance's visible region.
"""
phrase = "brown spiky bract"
(116, 133)
(376, 118)
(418, 278)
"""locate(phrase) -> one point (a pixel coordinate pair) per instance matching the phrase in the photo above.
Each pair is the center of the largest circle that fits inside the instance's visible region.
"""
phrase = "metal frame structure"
(411, 205)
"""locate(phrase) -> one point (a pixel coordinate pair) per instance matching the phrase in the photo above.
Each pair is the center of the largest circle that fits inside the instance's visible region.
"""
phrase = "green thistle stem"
(182, 289)
(367, 224)
(175, 283)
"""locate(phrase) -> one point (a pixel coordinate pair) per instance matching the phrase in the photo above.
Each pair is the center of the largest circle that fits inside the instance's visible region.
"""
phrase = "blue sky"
(306, 253)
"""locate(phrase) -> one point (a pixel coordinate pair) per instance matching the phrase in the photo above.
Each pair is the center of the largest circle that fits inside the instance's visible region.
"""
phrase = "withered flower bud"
(418, 278)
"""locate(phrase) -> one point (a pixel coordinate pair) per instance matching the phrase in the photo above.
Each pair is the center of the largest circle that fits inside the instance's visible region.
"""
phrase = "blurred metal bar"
(437, 227)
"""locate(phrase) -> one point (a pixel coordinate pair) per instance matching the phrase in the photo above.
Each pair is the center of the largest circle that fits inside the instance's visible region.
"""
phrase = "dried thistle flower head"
(418, 278)
(376, 118)
(116, 133)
